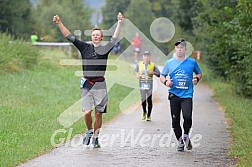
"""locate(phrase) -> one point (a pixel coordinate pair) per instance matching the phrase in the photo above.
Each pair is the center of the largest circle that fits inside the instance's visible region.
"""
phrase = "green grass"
(32, 100)
(239, 111)
(16, 55)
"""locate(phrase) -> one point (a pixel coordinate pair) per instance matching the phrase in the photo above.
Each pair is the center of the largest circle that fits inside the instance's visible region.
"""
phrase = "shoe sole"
(187, 145)
(97, 146)
(189, 148)
(180, 150)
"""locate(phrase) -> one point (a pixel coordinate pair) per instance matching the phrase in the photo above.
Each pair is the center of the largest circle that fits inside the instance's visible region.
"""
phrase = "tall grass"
(16, 55)
(239, 111)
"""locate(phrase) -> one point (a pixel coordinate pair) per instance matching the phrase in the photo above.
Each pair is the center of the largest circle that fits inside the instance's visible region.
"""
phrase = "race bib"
(181, 80)
(145, 86)
(82, 82)
(181, 83)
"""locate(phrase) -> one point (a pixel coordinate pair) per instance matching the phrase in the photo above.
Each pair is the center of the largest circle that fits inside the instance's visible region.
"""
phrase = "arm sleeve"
(156, 70)
(136, 68)
(70, 38)
(77, 43)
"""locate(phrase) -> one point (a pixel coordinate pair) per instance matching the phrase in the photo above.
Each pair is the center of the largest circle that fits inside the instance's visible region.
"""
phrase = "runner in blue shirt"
(181, 80)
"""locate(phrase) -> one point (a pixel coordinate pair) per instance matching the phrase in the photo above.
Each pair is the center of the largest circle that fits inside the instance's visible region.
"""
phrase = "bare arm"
(117, 30)
(61, 26)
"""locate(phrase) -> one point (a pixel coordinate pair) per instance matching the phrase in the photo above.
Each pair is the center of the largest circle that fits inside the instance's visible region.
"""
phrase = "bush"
(225, 36)
(16, 55)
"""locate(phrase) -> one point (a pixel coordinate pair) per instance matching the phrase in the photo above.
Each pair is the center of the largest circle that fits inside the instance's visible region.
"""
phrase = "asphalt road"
(129, 141)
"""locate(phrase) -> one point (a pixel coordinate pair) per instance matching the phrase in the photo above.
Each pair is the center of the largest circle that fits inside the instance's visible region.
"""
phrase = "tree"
(223, 29)
(131, 11)
(142, 19)
(184, 11)
(74, 14)
(110, 10)
(15, 17)
(242, 39)
(162, 8)
(139, 13)
(213, 34)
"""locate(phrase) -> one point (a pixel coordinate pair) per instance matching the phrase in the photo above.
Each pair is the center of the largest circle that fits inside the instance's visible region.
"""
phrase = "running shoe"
(148, 119)
(87, 137)
(96, 142)
(181, 146)
(188, 143)
(143, 117)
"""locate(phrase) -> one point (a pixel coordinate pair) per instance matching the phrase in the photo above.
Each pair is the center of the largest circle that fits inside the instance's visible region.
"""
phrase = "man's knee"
(87, 113)
(98, 115)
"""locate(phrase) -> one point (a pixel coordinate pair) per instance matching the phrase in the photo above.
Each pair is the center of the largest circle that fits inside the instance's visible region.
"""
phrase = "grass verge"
(239, 111)
(32, 100)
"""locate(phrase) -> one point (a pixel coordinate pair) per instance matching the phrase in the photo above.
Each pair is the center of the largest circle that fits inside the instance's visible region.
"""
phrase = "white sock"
(91, 130)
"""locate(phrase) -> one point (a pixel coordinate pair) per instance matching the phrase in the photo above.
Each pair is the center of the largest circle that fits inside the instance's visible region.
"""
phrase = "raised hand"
(120, 17)
(56, 19)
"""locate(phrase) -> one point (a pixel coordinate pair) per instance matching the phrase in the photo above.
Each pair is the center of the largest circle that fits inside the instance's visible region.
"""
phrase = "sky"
(96, 16)
(94, 4)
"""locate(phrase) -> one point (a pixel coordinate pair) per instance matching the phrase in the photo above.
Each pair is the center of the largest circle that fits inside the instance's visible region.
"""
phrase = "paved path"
(129, 141)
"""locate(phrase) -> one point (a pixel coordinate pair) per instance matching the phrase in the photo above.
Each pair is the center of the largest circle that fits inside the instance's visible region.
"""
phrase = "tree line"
(221, 29)
(21, 18)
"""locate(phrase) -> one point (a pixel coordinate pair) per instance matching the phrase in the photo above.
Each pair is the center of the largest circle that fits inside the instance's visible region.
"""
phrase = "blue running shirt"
(181, 74)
